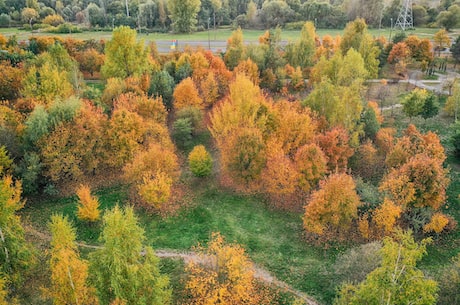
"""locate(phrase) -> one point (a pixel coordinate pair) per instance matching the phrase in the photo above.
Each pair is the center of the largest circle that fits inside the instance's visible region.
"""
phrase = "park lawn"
(272, 238)
(215, 35)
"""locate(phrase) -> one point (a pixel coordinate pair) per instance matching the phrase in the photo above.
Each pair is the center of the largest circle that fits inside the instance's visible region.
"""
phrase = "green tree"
(183, 14)
(68, 271)
(430, 107)
(15, 253)
(127, 271)
(162, 84)
(414, 102)
(235, 49)
(397, 281)
(124, 56)
(449, 19)
(304, 50)
(356, 36)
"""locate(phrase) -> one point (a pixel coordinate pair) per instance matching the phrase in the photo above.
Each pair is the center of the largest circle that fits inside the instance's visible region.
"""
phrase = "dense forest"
(186, 16)
(291, 127)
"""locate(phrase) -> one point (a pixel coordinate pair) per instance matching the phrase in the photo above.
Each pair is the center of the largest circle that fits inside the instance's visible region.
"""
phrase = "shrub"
(157, 190)
(200, 161)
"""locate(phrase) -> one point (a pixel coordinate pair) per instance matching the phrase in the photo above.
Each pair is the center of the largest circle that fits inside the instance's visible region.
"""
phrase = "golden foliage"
(69, 272)
(437, 223)
(156, 190)
(311, 164)
(226, 276)
(386, 215)
(249, 68)
(280, 175)
(334, 205)
(186, 95)
(88, 208)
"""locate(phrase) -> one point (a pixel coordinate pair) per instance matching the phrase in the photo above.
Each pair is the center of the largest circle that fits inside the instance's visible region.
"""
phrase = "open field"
(218, 35)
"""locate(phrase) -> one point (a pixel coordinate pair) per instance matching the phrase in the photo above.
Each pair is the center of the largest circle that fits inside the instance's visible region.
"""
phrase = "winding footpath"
(190, 256)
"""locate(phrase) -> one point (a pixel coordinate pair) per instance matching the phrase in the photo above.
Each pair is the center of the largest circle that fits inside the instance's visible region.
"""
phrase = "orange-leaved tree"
(311, 163)
(186, 95)
(333, 207)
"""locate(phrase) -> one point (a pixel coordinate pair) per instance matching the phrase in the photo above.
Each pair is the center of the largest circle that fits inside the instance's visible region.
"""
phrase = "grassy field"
(218, 35)
(273, 239)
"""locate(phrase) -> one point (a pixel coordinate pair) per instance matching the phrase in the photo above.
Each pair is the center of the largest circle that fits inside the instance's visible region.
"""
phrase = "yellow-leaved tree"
(227, 277)
(69, 273)
(88, 208)
(200, 161)
(334, 206)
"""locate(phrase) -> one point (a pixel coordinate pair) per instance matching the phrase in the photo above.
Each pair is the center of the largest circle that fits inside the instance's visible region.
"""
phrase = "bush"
(200, 161)
(354, 265)
(5, 20)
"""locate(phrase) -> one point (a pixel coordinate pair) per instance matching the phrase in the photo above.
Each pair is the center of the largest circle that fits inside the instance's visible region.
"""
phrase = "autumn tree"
(397, 281)
(200, 161)
(125, 135)
(10, 82)
(227, 279)
(69, 273)
(46, 83)
(29, 15)
(127, 271)
(15, 254)
(186, 95)
(90, 60)
(441, 40)
(124, 56)
(88, 208)
(184, 14)
(152, 173)
(333, 207)
(421, 182)
(399, 56)
(238, 126)
(311, 164)
(335, 145)
(279, 176)
(293, 126)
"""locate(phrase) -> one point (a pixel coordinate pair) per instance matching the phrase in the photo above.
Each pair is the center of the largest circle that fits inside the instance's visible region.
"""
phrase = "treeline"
(316, 148)
(191, 15)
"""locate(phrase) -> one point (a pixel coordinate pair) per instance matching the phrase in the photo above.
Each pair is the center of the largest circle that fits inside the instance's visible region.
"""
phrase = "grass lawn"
(218, 35)
(273, 239)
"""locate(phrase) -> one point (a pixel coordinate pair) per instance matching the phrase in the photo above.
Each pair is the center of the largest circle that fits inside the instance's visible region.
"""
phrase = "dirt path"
(189, 256)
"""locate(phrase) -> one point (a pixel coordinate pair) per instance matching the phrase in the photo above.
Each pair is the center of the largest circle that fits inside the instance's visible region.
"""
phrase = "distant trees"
(183, 14)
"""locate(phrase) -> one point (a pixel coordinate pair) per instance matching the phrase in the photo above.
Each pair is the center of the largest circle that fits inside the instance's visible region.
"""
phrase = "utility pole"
(209, 37)
(127, 8)
(405, 18)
